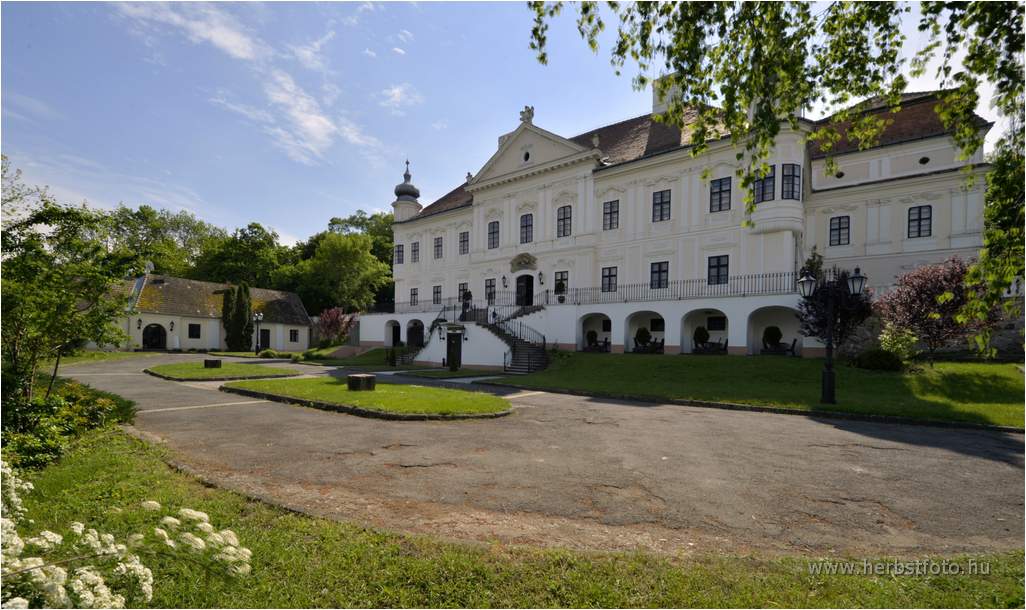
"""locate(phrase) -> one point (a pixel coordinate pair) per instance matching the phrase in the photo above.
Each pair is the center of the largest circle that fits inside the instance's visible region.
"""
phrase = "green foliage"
(771, 335)
(341, 272)
(172, 241)
(194, 370)
(701, 335)
(900, 342)
(251, 255)
(878, 360)
(36, 432)
(237, 318)
(62, 285)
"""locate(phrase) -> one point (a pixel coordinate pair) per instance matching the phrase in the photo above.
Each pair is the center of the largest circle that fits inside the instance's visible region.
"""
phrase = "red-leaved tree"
(926, 302)
(334, 324)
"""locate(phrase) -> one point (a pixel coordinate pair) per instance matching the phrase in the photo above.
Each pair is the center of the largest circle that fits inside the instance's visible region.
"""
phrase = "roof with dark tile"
(163, 294)
(917, 119)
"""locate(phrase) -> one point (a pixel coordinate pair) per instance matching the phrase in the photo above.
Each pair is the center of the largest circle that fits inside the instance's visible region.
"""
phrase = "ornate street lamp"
(257, 319)
(807, 287)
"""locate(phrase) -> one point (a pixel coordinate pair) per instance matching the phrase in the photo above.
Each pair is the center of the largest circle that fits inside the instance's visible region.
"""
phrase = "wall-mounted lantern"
(172, 326)
(138, 324)
(505, 283)
(541, 278)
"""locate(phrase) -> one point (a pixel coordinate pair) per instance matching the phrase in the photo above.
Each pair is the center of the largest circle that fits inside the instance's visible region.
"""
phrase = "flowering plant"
(84, 568)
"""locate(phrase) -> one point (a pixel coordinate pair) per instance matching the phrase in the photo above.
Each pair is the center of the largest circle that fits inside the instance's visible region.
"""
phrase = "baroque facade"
(584, 241)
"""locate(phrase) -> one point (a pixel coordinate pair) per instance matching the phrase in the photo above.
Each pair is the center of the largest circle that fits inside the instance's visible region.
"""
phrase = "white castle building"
(578, 243)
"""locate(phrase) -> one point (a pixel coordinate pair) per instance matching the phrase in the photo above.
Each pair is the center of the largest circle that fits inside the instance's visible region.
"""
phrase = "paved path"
(596, 473)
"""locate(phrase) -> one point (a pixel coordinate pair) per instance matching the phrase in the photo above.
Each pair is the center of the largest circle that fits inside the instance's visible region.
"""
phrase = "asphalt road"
(597, 473)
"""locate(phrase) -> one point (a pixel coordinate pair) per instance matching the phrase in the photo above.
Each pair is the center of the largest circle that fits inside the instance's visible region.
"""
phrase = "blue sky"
(285, 114)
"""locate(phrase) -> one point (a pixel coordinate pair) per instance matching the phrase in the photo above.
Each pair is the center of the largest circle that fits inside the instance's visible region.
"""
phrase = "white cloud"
(405, 36)
(310, 54)
(369, 53)
(401, 96)
(256, 115)
(367, 7)
(439, 125)
(28, 108)
(351, 20)
(398, 51)
(200, 23)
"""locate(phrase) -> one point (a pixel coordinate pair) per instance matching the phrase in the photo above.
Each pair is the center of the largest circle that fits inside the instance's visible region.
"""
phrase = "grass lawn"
(371, 360)
(248, 354)
(386, 397)
(186, 371)
(300, 561)
(97, 356)
(950, 391)
(447, 374)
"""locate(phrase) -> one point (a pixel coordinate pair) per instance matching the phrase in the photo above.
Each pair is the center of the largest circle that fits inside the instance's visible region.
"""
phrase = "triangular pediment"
(525, 148)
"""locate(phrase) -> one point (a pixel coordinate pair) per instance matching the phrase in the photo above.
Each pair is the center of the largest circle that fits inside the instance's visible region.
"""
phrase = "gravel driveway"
(596, 473)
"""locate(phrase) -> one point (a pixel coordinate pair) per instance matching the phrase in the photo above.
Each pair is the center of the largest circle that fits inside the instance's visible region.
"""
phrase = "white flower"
(16, 602)
(240, 568)
(151, 505)
(193, 515)
(192, 540)
(170, 522)
(77, 527)
(133, 569)
(46, 540)
(135, 539)
(203, 526)
(229, 537)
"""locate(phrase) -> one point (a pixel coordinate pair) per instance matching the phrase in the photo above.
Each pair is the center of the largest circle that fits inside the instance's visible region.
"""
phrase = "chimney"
(661, 102)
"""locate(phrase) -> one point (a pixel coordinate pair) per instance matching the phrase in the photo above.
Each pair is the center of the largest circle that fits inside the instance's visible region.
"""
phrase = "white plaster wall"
(480, 347)
(211, 333)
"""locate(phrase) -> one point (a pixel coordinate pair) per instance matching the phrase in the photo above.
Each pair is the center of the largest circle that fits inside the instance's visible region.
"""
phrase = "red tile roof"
(917, 119)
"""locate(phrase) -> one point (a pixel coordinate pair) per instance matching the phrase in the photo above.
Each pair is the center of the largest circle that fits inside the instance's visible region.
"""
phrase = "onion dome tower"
(406, 205)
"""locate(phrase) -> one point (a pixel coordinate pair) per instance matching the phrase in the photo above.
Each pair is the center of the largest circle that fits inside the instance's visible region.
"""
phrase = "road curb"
(360, 412)
(731, 406)
(169, 378)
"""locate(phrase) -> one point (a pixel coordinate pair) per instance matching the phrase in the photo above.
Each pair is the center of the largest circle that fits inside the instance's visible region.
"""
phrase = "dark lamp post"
(807, 287)
(257, 319)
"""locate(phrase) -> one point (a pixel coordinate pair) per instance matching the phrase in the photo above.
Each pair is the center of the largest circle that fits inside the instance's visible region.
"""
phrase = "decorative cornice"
(568, 161)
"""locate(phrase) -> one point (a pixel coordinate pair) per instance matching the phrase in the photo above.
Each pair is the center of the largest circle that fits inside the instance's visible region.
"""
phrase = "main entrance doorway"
(525, 290)
(154, 337)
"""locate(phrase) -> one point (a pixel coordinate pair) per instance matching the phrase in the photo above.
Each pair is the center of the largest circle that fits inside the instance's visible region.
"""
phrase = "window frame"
(527, 228)
(661, 207)
(718, 269)
(490, 290)
(294, 332)
(436, 294)
(493, 235)
(761, 185)
(414, 296)
(397, 256)
(611, 215)
(564, 221)
(791, 184)
(462, 288)
(464, 240)
(920, 221)
(839, 231)
(199, 331)
(717, 194)
(415, 252)
(608, 276)
(561, 276)
(659, 275)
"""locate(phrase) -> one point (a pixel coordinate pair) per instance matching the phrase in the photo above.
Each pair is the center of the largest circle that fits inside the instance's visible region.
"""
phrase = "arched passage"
(154, 337)
(649, 321)
(714, 322)
(595, 333)
(784, 318)
(415, 333)
(392, 333)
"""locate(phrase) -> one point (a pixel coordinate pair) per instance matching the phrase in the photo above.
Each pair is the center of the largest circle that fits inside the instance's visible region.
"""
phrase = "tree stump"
(361, 382)
(211, 364)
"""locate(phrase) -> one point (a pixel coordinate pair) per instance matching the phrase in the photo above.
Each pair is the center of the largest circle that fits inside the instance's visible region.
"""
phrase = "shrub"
(900, 342)
(592, 337)
(772, 335)
(642, 337)
(35, 432)
(878, 360)
(268, 353)
(297, 357)
(701, 335)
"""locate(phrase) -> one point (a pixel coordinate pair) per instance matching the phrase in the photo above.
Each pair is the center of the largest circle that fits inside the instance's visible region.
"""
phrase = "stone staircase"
(525, 356)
